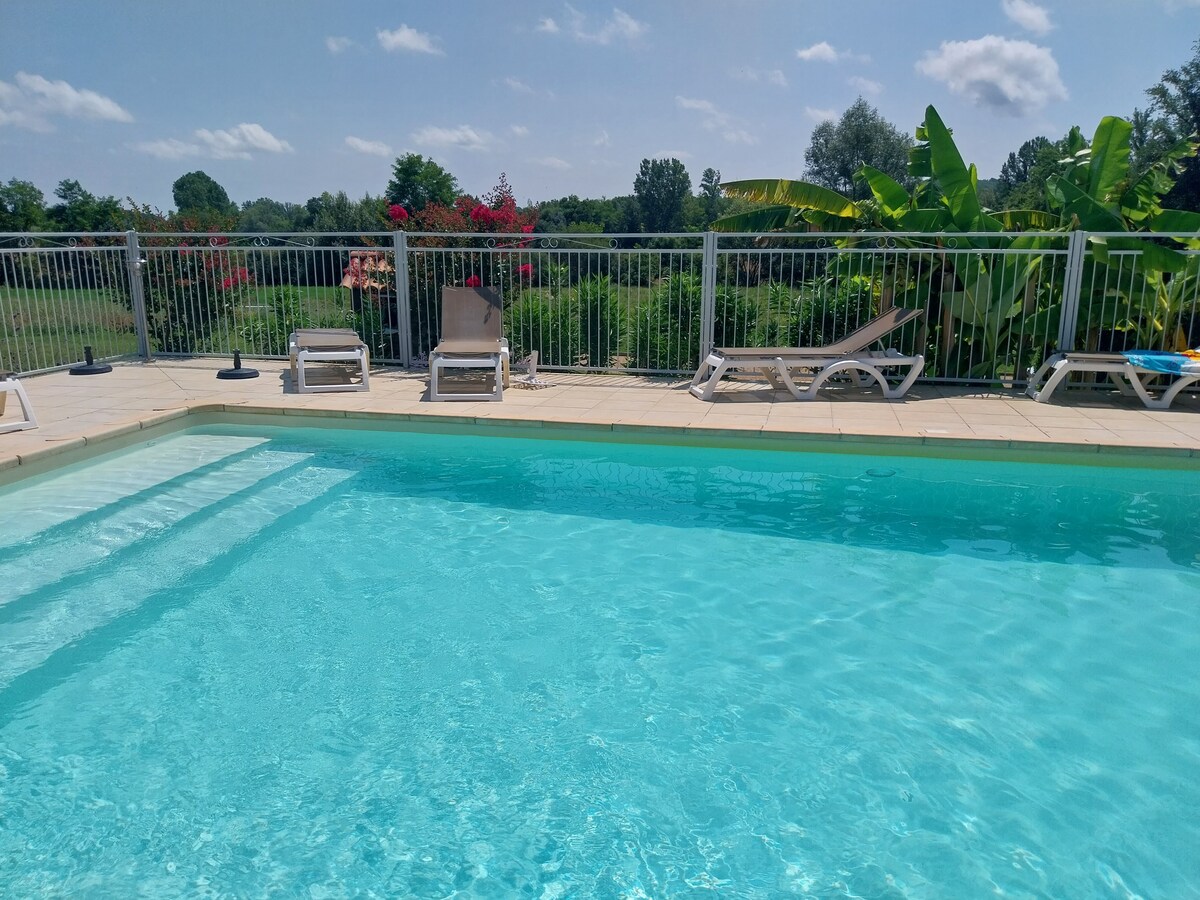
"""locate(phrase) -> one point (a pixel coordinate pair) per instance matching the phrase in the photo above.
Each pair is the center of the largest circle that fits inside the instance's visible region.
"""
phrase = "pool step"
(65, 617)
(34, 508)
(63, 551)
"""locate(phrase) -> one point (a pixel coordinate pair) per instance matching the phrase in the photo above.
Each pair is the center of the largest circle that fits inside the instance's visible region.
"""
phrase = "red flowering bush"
(525, 272)
(236, 278)
(397, 213)
(473, 281)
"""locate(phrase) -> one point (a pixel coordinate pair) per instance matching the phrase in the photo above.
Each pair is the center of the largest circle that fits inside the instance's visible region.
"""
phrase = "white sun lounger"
(10, 385)
(1117, 367)
(309, 345)
(849, 355)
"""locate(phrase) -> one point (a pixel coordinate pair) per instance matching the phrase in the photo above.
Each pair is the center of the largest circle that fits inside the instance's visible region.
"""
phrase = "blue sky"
(289, 99)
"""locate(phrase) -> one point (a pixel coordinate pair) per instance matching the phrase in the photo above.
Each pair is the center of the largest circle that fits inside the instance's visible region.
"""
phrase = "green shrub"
(545, 324)
(601, 321)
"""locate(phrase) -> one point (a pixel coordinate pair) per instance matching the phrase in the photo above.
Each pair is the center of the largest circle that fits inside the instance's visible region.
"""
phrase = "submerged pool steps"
(82, 542)
(37, 507)
(64, 615)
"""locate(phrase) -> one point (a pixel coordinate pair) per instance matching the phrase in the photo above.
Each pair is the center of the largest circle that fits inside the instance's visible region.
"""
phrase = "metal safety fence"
(995, 304)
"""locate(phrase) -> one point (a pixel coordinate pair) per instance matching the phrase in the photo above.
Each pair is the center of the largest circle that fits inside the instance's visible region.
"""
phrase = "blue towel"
(1185, 363)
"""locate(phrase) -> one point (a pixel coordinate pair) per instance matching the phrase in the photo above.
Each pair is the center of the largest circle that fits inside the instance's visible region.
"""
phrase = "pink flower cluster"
(397, 213)
(473, 281)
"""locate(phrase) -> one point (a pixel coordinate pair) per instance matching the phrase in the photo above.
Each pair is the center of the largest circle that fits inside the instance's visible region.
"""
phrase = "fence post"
(1069, 320)
(137, 293)
(403, 317)
(708, 295)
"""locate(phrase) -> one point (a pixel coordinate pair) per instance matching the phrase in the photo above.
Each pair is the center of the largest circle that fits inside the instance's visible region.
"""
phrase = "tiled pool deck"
(76, 412)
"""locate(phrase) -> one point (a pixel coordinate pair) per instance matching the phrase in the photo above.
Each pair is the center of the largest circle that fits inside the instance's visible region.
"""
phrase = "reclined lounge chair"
(851, 355)
(1127, 370)
(472, 338)
(10, 385)
(309, 345)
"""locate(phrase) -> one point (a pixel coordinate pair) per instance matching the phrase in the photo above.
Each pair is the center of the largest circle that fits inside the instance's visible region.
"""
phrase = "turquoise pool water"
(322, 663)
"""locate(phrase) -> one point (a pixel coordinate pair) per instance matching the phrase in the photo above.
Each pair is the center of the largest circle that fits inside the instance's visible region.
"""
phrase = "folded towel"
(1185, 363)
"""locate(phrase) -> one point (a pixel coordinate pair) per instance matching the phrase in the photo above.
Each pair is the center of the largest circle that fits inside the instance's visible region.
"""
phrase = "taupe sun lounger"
(851, 354)
(307, 345)
(472, 338)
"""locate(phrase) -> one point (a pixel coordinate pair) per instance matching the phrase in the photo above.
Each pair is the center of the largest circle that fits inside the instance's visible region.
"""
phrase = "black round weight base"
(89, 366)
(238, 371)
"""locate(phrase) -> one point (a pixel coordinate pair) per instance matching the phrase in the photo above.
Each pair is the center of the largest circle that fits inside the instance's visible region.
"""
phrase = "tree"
(710, 195)
(660, 187)
(265, 214)
(334, 213)
(1175, 107)
(861, 137)
(197, 194)
(80, 210)
(22, 207)
(417, 182)
(1023, 175)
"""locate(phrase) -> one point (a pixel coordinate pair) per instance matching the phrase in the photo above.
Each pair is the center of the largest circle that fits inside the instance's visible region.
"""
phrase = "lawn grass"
(44, 327)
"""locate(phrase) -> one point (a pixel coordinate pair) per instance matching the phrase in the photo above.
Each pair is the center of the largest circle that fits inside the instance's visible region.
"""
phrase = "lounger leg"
(29, 420)
(1172, 392)
(914, 372)
(1051, 361)
(719, 366)
(1166, 398)
(1061, 369)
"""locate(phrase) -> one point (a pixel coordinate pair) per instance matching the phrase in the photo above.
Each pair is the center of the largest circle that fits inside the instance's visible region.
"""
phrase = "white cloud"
(553, 162)
(866, 85)
(336, 44)
(715, 119)
(1014, 77)
(405, 38)
(672, 154)
(1028, 15)
(755, 76)
(517, 85)
(232, 143)
(168, 148)
(519, 130)
(464, 137)
(33, 100)
(602, 139)
(619, 26)
(820, 115)
(371, 148)
(825, 52)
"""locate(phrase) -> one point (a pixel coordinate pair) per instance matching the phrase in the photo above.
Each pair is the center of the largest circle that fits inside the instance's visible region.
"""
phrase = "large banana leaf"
(1092, 215)
(1109, 161)
(892, 197)
(958, 186)
(1027, 220)
(800, 194)
(1154, 258)
(771, 218)
(1141, 200)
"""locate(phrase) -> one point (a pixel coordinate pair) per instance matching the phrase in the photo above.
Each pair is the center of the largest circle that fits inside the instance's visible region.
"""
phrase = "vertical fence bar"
(137, 294)
(708, 294)
(403, 301)
(1076, 246)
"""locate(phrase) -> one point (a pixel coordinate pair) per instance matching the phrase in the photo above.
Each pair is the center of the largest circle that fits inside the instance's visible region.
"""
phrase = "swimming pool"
(323, 662)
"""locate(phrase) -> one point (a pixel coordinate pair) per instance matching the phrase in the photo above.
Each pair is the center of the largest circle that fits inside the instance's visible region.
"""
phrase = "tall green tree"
(265, 214)
(1175, 115)
(660, 187)
(198, 194)
(417, 182)
(711, 201)
(861, 137)
(338, 213)
(22, 207)
(81, 210)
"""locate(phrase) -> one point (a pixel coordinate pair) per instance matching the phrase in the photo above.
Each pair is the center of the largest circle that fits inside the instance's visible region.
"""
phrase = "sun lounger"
(472, 338)
(851, 355)
(10, 385)
(309, 345)
(1131, 370)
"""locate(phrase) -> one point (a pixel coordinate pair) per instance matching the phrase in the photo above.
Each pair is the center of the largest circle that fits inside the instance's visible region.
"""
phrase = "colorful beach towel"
(1185, 363)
